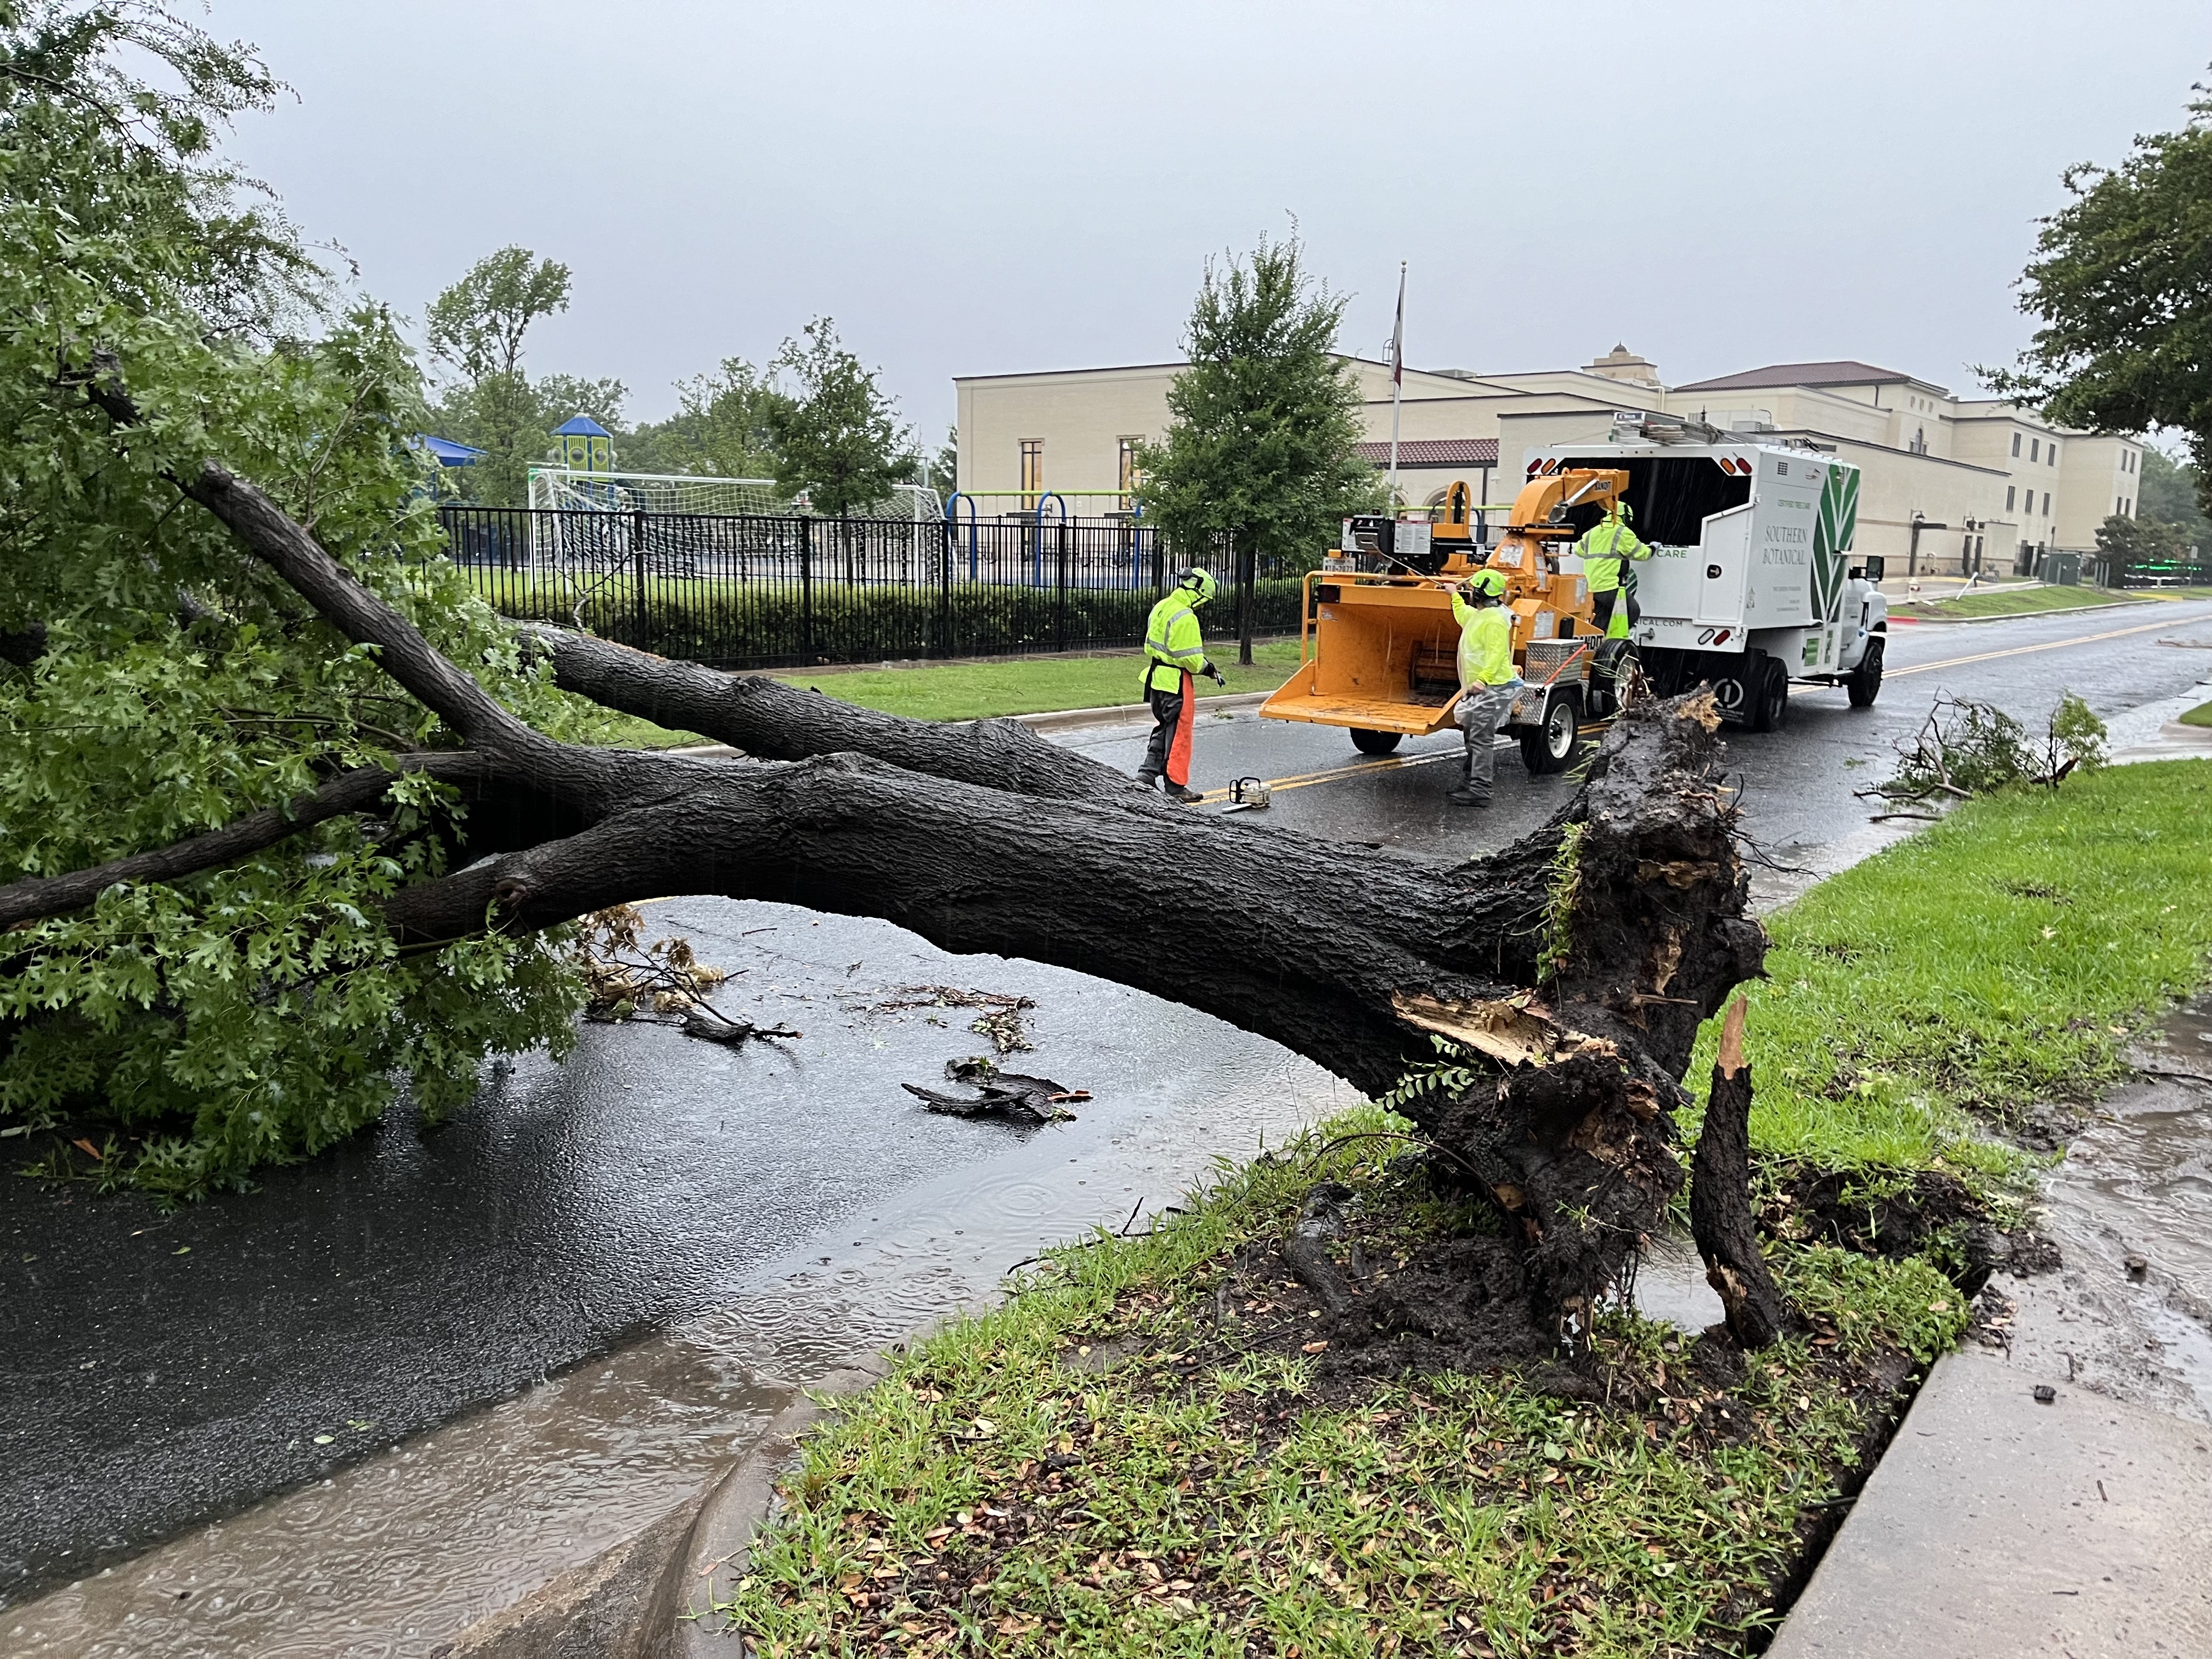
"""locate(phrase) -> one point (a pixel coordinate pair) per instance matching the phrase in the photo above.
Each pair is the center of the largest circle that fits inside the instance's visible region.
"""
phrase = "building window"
(1032, 465)
(2011, 491)
(2016, 443)
(2052, 458)
(2035, 449)
(1128, 472)
(2047, 503)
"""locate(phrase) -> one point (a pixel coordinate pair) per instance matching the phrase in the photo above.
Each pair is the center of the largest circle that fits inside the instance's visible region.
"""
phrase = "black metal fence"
(750, 591)
(2159, 572)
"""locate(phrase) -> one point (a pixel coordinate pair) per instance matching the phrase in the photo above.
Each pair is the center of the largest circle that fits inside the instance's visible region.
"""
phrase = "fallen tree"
(1563, 977)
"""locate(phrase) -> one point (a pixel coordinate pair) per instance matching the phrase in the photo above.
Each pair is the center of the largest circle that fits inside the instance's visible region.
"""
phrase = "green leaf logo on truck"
(1833, 529)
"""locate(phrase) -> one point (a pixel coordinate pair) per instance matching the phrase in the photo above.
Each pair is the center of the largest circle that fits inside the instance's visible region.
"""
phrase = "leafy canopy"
(2123, 282)
(837, 434)
(722, 427)
(1266, 420)
(156, 681)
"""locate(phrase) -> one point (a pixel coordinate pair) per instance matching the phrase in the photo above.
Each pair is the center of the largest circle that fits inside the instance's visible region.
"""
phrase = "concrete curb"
(635, 1600)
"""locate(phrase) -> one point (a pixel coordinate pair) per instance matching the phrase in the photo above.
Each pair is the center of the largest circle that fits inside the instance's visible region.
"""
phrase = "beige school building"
(1991, 487)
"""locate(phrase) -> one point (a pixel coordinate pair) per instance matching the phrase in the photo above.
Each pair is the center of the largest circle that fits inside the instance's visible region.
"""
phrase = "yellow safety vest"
(1172, 644)
(1608, 542)
(1485, 643)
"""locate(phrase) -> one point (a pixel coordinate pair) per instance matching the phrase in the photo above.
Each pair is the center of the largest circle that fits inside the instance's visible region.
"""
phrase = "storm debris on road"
(1000, 1094)
(1001, 1020)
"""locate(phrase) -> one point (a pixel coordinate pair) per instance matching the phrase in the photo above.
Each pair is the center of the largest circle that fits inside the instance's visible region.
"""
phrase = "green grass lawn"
(582, 720)
(1109, 1464)
(2017, 602)
(1033, 685)
(2200, 716)
(1999, 958)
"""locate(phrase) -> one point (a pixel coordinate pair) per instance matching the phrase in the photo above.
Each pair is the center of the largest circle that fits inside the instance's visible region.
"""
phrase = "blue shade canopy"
(582, 426)
(447, 452)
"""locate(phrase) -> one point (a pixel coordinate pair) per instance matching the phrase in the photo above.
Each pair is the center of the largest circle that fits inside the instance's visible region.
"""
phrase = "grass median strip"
(1034, 685)
(1998, 960)
(2016, 602)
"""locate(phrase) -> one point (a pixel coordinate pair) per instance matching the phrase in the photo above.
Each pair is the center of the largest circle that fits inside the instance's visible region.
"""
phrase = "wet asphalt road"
(1797, 783)
(158, 1370)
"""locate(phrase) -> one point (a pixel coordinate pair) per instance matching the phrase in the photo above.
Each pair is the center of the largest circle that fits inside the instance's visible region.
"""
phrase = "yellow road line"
(2023, 650)
(1302, 780)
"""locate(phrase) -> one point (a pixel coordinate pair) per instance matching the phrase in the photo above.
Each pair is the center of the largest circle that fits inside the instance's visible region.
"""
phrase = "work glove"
(1214, 674)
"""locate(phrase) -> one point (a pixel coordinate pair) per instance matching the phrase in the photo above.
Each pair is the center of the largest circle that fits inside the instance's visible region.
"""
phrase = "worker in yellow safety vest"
(1488, 681)
(1173, 652)
(1607, 550)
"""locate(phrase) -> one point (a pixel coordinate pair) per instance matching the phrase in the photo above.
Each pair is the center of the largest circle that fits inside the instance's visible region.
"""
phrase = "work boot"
(1147, 780)
(1183, 793)
(1464, 796)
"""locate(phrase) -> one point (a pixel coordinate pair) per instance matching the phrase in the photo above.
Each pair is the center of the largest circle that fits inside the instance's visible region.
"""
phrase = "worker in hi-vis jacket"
(1607, 552)
(1488, 679)
(1173, 652)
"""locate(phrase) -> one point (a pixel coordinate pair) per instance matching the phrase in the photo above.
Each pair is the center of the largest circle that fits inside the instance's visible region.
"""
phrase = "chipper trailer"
(1749, 587)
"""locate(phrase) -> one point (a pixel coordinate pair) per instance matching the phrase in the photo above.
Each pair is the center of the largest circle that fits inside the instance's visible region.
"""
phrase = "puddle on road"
(391, 1556)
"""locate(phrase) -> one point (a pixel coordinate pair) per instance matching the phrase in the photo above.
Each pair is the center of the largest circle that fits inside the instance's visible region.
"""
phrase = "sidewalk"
(1997, 1525)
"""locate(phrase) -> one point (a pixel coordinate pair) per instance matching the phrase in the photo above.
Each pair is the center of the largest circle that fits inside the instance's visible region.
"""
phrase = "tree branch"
(38, 897)
(776, 721)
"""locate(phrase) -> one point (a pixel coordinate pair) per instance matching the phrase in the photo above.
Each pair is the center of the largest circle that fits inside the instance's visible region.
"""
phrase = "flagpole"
(1397, 379)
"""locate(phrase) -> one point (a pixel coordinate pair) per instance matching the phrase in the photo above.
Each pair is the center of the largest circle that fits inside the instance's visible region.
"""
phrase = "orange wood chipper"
(1382, 650)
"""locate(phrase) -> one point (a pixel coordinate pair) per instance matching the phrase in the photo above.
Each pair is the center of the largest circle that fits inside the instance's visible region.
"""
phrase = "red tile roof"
(1434, 451)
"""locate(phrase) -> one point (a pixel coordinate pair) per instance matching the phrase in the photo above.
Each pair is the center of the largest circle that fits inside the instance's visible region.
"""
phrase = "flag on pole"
(1397, 378)
(1398, 334)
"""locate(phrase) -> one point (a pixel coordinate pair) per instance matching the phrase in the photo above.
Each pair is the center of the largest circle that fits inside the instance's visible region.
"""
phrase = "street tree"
(158, 683)
(1261, 445)
(2140, 540)
(836, 433)
(2119, 281)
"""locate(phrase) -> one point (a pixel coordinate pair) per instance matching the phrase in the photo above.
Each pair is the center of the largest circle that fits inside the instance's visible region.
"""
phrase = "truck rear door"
(1725, 547)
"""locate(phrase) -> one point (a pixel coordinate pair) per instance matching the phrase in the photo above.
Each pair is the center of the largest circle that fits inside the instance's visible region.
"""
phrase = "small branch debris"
(1965, 748)
(661, 983)
(1000, 1021)
(1000, 1094)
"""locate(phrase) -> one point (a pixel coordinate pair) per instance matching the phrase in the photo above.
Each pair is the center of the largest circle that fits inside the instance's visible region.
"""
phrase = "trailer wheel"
(1552, 746)
(1373, 742)
(1770, 705)
(1865, 680)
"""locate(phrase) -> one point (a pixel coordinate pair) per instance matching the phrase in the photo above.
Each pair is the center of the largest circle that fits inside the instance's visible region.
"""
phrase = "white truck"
(1750, 584)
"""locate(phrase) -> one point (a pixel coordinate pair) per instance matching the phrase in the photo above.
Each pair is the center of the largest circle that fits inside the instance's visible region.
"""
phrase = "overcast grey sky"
(978, 188)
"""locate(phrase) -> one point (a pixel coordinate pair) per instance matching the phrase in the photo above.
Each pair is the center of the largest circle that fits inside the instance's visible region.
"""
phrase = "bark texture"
(1571, 969)
(1720, 1201)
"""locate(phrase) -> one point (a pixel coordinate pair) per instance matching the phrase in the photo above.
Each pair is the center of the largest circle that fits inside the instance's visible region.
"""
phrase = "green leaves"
(2119, 282)
(158, 682)
(1266, 418)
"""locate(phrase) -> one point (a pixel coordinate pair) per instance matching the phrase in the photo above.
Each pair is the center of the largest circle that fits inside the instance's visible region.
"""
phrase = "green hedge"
(735, 624)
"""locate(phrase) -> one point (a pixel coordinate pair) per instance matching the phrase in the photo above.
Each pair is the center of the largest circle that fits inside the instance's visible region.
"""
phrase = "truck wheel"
(1770, 689)
(1552, 746)
(1373, 742)
(1865, 681)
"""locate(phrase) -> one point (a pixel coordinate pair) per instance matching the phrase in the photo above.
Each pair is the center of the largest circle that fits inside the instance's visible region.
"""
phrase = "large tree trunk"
(1571, 969)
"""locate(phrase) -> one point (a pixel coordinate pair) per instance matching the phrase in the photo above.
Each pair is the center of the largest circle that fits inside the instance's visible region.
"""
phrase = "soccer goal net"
(567, 489)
